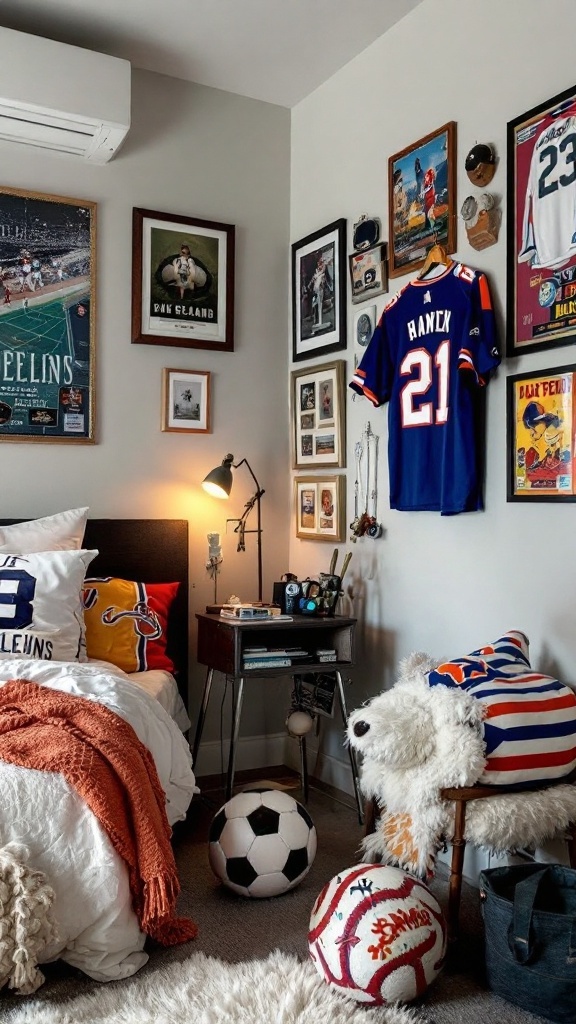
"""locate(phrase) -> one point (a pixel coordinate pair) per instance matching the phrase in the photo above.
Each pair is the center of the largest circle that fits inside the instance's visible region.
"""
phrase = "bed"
(99, 931)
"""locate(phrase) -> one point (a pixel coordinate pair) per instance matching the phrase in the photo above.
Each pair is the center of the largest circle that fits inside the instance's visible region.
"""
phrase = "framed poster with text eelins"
(541, 233)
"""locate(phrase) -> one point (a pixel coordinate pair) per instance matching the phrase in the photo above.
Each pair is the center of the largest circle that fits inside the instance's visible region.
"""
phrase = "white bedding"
(99, 932)
(163, 686)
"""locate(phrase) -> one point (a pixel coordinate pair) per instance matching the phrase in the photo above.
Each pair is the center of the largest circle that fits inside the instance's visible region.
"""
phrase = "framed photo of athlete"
(422, 200)
(182, 281)
(47, 317)
(186, 401)
(318, 411)
(368, 275)
(541, 228)
(319, 292)
(320, 503)
(541, 417)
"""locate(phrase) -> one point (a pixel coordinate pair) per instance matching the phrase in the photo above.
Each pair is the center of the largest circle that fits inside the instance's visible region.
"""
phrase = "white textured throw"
(203, 990)
(27, 924)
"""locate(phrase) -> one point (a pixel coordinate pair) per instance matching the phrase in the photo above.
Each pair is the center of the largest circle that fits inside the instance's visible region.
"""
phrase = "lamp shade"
(218, 483)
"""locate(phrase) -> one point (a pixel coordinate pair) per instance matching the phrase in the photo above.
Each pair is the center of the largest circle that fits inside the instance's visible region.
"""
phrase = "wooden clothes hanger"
(435, 257)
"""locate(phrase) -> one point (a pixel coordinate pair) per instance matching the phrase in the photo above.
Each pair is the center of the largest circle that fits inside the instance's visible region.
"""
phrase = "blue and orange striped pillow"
(530, 718)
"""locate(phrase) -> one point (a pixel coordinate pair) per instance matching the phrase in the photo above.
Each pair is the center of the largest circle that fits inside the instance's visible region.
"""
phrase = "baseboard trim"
(251, 752)
(261, 752)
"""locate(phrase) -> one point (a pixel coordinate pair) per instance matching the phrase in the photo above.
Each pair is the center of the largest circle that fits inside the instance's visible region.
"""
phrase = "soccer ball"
(377, 934)
(261, 843)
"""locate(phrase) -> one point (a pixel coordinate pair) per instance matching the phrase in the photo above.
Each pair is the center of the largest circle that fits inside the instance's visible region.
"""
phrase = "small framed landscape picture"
(320, 507)
(186, 401)
(318, 416)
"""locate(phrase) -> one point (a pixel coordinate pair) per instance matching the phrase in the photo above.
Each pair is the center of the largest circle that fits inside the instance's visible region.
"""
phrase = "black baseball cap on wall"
(480, 164)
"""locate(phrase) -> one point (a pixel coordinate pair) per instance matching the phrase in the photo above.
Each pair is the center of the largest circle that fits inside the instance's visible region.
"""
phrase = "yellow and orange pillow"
(126, 622)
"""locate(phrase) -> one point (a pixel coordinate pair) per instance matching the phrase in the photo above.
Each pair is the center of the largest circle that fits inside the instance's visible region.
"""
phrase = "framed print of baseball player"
(541, 241)
(182, 281)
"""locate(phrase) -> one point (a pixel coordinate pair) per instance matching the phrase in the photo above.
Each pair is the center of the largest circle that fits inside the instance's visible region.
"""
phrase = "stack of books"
(272, 657)
(251, 611)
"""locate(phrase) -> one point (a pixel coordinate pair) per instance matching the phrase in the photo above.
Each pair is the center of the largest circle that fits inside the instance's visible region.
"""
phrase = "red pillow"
(126, 622)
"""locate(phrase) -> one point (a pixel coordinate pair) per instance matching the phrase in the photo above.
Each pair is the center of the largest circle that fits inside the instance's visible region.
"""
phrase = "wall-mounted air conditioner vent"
(70, 100)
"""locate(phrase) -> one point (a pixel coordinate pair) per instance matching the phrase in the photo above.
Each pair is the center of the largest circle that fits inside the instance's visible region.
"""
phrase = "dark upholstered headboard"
(152, 551)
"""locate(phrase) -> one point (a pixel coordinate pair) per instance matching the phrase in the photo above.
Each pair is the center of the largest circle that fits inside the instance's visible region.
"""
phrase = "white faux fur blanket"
(27, 923)
(501, 823)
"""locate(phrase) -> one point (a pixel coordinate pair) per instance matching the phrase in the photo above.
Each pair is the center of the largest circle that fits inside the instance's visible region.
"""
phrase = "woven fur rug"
(203, 990)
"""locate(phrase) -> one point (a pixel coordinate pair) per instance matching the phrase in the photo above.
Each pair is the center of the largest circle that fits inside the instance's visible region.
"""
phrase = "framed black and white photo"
(319, 292)
(186, 401)
(182, 281)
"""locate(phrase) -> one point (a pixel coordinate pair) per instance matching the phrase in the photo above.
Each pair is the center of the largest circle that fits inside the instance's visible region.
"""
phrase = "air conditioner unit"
(63, 98)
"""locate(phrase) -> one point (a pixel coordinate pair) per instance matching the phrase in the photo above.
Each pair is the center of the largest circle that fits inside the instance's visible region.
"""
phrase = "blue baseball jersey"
(430, 356)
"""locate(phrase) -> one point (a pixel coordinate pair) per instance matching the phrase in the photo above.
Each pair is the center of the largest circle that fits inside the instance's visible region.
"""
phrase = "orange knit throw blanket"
(100, 755)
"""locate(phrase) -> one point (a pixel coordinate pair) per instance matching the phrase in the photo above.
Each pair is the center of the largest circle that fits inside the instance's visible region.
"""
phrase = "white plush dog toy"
(486, 718)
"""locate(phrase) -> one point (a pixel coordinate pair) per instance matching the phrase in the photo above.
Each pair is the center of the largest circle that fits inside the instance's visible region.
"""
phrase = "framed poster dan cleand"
(541, 226)
(182, 281)
(47, 317)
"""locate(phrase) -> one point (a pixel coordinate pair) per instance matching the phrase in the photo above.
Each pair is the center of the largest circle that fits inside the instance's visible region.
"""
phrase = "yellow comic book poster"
(543, 427)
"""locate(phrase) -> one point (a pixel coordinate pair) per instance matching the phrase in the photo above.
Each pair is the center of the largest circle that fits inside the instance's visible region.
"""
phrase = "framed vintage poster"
(541, 415)
(422, 200)
(47, 317)
(541, 228)
(186, 401)
(318, 411)
(182, 281)
(368, 276)
(319, 292)
(320, 503)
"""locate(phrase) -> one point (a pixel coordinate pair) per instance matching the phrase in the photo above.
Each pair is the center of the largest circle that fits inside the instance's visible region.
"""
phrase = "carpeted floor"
(234, 929)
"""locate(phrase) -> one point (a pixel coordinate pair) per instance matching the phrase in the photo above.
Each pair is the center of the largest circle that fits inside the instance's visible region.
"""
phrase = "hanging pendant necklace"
(365, 522)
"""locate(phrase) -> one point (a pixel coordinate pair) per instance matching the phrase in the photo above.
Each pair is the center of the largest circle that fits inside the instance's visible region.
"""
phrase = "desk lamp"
(218, 483)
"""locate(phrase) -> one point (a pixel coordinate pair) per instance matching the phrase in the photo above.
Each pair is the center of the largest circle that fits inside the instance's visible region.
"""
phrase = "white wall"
(208, 154)
(441, 584)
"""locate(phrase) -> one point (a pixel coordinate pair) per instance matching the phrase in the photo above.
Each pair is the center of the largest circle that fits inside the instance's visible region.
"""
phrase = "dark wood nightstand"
(221, 647)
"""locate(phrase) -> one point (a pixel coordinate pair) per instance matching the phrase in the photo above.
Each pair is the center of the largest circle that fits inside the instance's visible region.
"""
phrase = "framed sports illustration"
(541, 417)
(186, 401)
(319, 292)
(47, 317)
(368, 276)
(541, 227)
(182, 281)
(320, 503)
(318, 411)
(422, 199)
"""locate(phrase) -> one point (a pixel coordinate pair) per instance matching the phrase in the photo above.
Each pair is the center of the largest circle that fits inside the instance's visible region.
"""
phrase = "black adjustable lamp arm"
(240, 528)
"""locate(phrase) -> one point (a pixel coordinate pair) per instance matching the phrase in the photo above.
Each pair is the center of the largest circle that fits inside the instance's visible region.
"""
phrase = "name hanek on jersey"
(429, 323)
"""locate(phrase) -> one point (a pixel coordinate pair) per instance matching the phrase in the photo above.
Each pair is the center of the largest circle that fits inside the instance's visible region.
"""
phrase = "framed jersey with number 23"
(541, 242)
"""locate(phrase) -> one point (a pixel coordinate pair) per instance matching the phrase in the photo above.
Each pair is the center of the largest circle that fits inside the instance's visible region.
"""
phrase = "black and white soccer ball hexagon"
(262, 843)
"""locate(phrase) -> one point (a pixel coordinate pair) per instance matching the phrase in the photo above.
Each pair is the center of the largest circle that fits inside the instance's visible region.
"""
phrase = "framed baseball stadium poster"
(319, 292)
(541, 230)
(541, 420)
(47, 317)
(422, 200)
(182, 281)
